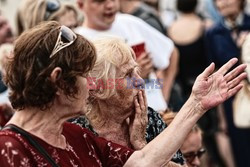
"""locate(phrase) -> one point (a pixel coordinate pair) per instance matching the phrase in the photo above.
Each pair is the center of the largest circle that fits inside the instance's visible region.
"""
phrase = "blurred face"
(228, 8)
(192, 149)
(69, 19)
(6, 35)
(100, 14)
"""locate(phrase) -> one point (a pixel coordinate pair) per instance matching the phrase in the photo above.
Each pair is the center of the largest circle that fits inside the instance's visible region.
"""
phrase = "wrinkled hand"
(212, 88)
(146, 65)
(138, 122)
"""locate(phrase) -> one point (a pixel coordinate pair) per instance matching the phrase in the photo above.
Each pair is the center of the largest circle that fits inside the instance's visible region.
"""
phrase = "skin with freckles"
(125, 97)
(115, 117)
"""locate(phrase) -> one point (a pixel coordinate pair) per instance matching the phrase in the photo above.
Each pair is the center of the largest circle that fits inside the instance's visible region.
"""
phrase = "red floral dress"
(83, 149)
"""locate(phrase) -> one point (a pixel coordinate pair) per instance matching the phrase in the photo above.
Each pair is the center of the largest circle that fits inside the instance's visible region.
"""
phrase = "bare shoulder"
(185, 31)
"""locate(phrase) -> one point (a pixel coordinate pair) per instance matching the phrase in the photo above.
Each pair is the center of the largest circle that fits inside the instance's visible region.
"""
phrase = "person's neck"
(232, 18)
(109, 122)
(47, 124)
(129, 6)
(89, 25)
(188, 15)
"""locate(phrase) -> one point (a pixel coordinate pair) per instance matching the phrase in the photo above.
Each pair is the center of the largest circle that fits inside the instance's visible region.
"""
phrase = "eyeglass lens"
(191, 156)
(53, 5)
(67, 34)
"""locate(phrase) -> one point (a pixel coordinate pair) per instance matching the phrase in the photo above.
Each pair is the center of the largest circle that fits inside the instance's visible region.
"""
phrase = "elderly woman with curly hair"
(47, 78)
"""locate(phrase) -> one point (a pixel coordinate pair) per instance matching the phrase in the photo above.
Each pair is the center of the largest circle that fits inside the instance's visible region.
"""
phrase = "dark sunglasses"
(65, 38)
(51, 7)
(190, 156)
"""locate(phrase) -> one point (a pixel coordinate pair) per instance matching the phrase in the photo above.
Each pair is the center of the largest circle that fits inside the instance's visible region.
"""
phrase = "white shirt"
(134, 31)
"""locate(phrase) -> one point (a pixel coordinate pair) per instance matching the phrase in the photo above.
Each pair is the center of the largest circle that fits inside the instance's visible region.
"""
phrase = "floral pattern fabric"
(83, 150)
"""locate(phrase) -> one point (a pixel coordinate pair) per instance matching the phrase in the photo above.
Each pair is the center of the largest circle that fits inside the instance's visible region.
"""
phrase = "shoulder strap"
(34, 143)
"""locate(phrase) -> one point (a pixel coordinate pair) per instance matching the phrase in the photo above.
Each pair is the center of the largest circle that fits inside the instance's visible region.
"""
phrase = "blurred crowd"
(171, 42)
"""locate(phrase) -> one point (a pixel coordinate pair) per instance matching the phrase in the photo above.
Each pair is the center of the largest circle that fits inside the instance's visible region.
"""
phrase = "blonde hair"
(31, 12)
(245, 52)
(168, 116)
(6, 50)
(112, 53)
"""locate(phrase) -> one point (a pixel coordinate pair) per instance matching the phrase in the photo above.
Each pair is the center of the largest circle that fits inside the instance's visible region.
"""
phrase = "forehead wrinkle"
(126, 68)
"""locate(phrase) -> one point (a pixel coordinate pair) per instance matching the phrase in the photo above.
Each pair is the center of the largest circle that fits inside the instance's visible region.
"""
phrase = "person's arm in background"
(210, 89)
(169, 74)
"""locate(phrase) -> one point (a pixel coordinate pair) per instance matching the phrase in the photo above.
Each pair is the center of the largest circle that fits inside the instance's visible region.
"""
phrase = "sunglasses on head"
(190, 156)
(65, 38)
(51, 7)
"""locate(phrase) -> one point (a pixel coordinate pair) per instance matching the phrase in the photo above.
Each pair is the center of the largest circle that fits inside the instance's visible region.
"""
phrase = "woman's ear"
(56, 74)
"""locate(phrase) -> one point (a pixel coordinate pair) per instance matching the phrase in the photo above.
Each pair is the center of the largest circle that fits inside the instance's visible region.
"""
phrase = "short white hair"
(112, 53)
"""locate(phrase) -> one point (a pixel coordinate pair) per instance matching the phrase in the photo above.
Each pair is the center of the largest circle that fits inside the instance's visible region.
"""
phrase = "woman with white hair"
(113, 98)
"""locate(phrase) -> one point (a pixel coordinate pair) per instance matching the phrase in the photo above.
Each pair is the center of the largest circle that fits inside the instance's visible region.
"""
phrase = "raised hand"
(139, 121)
(212, 88)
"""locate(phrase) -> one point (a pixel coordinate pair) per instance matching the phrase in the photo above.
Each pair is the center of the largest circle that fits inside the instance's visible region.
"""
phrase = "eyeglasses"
(51, 7)
(65, 38)
(190, 156)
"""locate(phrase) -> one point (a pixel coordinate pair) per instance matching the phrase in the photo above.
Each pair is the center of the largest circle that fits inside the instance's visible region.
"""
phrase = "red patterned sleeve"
(116, 155)
(12, 151)
(111, 154)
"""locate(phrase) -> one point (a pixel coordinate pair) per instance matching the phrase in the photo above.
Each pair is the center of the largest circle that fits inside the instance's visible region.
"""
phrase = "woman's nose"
(196, 161)
(138, 81)
(110, 4)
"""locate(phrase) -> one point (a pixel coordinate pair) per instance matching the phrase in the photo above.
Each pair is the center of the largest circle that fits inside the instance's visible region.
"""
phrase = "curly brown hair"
(28, 71)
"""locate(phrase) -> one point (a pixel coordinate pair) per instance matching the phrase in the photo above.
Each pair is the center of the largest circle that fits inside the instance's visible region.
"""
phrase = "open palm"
(212, 88)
